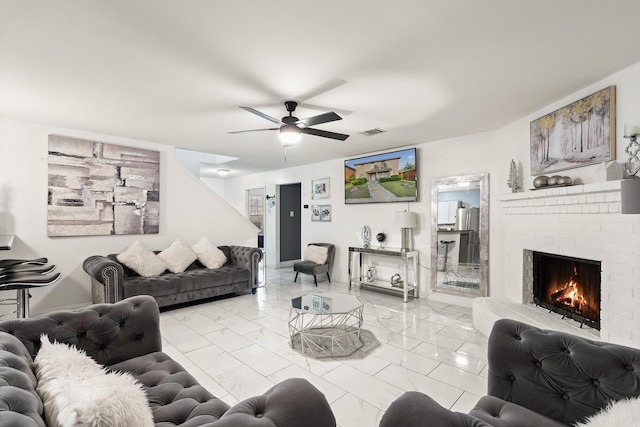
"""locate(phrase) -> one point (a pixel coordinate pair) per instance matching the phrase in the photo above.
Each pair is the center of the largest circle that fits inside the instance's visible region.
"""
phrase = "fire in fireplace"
(569, 286)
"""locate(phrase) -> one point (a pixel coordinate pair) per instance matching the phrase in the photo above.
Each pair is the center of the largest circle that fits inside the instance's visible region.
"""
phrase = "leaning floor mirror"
(460, 235)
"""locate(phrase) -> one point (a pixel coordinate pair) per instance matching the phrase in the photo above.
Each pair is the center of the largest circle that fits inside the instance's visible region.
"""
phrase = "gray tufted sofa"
(112, 281)
(537, 378)
(125, 336)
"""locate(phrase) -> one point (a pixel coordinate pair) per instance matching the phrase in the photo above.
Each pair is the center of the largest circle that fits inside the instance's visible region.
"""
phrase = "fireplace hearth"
(568, 286)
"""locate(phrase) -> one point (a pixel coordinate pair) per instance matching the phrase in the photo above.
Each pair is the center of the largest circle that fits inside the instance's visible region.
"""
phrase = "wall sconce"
(406, 221)
(223, 172)
(271, 200)
(630, 187)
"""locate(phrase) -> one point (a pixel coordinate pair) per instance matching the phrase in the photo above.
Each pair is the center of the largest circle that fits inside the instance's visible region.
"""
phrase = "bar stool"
(446, 244)
(21, 275)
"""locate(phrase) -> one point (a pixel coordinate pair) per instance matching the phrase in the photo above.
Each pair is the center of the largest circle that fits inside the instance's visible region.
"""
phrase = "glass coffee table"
(325, 324)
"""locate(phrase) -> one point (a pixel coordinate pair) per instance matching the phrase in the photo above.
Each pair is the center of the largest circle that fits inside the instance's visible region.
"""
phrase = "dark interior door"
(290, 223)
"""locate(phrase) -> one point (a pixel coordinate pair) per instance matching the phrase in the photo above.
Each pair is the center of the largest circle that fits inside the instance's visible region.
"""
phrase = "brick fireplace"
(581, 221)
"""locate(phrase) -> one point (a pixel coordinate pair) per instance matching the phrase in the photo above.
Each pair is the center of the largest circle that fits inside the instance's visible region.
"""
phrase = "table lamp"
(406, 221)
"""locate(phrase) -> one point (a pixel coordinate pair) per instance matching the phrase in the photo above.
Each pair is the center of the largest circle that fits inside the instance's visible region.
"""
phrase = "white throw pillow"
(77, 391)
(624, 412)
(317, 254)
(177, 256)
(208, 254)
(142, 260)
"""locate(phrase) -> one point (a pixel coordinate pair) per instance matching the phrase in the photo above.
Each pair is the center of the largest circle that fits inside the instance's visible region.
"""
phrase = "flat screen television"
(382, 178)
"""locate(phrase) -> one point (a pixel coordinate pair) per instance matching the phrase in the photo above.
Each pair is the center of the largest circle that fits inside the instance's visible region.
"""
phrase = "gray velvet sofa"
(537, 378)
(112, 281)
(125, 336)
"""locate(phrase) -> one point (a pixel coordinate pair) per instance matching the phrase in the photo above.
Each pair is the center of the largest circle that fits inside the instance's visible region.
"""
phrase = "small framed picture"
(325, 213)
(316, 213)
(316, 303)
(326, 305)
(320, 188)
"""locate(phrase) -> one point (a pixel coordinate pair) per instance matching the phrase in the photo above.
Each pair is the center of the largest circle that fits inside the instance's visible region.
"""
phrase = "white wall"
(443, 158)
(514, 139)
(189, 210)
(216, 185)
(186, 203)
(489, 152)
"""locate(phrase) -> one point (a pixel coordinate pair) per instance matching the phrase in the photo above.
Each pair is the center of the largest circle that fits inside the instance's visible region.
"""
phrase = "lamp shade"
(405, 219)
(290, 134)
(631, 129)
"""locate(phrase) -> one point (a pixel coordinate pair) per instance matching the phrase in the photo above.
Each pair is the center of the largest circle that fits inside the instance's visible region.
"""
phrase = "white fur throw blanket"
(617, 414)
(77, 391)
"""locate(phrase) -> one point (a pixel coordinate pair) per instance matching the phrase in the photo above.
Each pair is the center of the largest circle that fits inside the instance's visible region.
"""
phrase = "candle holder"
(632, 165)
(630, 187)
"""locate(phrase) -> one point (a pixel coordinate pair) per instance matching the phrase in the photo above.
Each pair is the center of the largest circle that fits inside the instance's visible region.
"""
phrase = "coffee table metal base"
(326, 335)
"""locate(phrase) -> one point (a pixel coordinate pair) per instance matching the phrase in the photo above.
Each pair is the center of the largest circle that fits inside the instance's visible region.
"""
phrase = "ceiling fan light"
(290, 135)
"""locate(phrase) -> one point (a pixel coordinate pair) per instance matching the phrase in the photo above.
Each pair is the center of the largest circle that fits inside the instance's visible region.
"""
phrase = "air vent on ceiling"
(372, 132)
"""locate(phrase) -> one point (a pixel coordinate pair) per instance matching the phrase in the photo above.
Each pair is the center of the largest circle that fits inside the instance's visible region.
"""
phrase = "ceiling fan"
(291, 128)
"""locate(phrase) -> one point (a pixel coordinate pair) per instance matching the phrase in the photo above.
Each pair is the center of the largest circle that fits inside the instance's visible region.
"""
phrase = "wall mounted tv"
(380, 178)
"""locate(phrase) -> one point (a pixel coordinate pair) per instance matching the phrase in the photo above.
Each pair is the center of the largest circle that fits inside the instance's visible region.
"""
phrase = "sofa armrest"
(293, 402)
(415, 409)
(107, 279)
(562, 376)
(249, 258)
(20, 404)
(109, 333)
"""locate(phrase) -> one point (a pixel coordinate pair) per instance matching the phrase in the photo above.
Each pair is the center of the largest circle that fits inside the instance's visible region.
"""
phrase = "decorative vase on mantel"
(514, 178)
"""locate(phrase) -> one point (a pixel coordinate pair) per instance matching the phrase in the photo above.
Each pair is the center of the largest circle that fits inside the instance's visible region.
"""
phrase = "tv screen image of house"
(381, 178)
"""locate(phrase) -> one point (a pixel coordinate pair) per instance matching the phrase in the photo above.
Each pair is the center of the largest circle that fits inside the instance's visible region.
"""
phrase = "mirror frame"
(483, 229)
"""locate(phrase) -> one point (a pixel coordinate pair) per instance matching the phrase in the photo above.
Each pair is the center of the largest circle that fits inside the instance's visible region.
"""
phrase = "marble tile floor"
(239, 347)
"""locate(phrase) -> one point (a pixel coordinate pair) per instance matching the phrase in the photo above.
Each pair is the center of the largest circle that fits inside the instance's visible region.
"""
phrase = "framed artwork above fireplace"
(579, 134)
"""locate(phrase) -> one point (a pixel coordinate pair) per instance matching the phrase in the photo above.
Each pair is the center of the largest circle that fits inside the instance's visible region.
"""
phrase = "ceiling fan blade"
(324, 133)
(263, 115)
(252, 130)
(319, 119)
(340, 111)
(319, 90)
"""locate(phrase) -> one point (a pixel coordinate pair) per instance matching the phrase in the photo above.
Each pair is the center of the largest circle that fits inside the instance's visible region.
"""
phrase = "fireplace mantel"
(596, 198)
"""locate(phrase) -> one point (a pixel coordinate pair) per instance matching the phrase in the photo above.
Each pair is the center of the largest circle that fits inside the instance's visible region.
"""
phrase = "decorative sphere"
(554, 180)
(540, 181)
(565, 180)
(381, 237)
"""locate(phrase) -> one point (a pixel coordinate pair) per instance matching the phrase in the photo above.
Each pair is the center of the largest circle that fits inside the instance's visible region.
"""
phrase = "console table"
(408, 288)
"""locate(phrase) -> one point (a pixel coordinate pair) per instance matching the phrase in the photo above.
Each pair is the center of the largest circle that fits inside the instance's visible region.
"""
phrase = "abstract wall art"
(579, 134)
(101, 189)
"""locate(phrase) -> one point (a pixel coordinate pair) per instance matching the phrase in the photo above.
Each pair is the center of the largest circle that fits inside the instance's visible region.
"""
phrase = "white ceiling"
(175, 72)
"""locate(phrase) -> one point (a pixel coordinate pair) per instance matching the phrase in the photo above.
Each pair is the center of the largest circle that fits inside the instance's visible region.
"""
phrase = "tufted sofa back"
(109, 333)
(562, 376)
